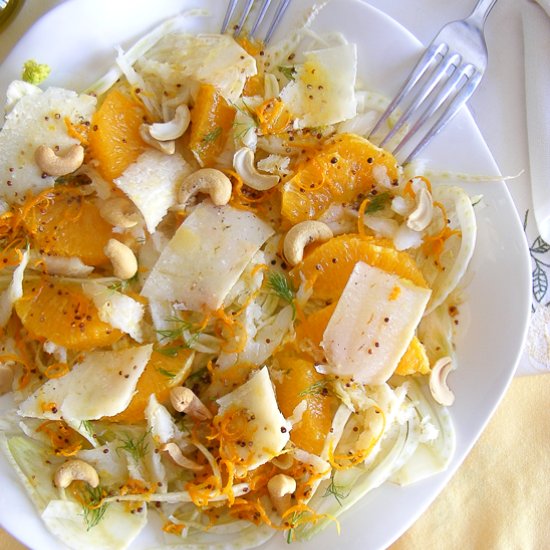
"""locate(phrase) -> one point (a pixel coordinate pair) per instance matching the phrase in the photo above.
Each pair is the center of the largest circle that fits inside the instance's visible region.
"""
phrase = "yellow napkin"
(500, 496)
(9, 543)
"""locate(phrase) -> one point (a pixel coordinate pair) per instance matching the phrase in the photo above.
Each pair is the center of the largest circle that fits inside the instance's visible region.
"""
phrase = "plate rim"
(464, 450)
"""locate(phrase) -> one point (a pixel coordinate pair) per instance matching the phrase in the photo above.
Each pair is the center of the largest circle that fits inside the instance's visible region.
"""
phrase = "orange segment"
(312, 328)
(156, 379)
(114, 140)
(338, 172)
(414, 359)
(254, 86)
(329, 265)
(273, 116)
(62, 313)
(211, 121)
(66, 223)
(300, 381)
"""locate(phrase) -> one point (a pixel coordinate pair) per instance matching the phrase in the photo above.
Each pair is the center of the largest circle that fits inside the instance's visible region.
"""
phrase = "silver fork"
(260, 15)
(441, 82)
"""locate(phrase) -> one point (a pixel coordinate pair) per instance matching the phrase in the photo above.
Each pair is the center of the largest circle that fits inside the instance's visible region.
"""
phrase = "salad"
(225, 313)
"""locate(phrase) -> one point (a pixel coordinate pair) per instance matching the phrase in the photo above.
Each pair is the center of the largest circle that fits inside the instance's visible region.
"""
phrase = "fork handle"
(480, 12)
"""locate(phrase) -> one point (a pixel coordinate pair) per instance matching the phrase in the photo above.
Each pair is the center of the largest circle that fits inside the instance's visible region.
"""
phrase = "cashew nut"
(61, 165)
(119, 212)
(173, 129)
(74, 470)
(301, 235)
(243, 162)
(168, 147)
(280, 489)
(421, 216)
(122, 258)
(438, 382)
(179, 458)
(184, 400)
(6, 379)
(206, 180)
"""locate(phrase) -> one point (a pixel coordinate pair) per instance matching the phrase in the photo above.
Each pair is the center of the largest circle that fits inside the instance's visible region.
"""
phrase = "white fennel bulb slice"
(102, 384)
(323, 91)
(206, 256)
(267, 430)
(152, 182)
(118, 527)
(14, 290)
(35, 466)
(37, 119)
(444, 273)
(372, 325)
(261, 342)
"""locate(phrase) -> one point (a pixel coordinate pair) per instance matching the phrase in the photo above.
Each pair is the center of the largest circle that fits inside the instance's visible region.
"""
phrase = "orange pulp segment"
(254, 86)
(329, 266)
(310, 331)
(67, 223)
(300, 381)
(414, 360)
(273, 116)
(62, 313)
(338, 172)
(211, 121)
(155, 379)
(114, 140)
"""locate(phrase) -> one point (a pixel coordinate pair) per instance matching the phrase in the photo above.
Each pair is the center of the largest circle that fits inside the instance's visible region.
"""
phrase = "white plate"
(77, 40)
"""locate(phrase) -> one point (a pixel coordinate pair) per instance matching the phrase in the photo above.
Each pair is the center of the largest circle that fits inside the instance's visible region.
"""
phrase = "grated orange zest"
(57, 370)
(77, 131)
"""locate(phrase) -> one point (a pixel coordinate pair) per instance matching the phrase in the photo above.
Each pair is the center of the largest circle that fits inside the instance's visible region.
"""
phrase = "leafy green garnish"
(171, 351)
(73, 179)
(279, 284)
(167, 373)
(34, 72)
(290, 533)
(213, 135)
(135, 447)
(177, 332)
(244, 127)
(337, 491)
(378, 202)
(88, 427)
(288, 72)
(197, 374)
(123, 285)
(92, 506)
(317, 388)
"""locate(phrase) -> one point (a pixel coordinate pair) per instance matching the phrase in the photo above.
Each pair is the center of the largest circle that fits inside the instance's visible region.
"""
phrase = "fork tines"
(440, 83)
(257, 17)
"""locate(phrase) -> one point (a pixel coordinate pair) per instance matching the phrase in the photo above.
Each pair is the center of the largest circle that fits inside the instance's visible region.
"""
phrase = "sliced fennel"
(406, 455)
(354, 483)
(116, 530)
(455, 258)
(434, 448)
(141, 47)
